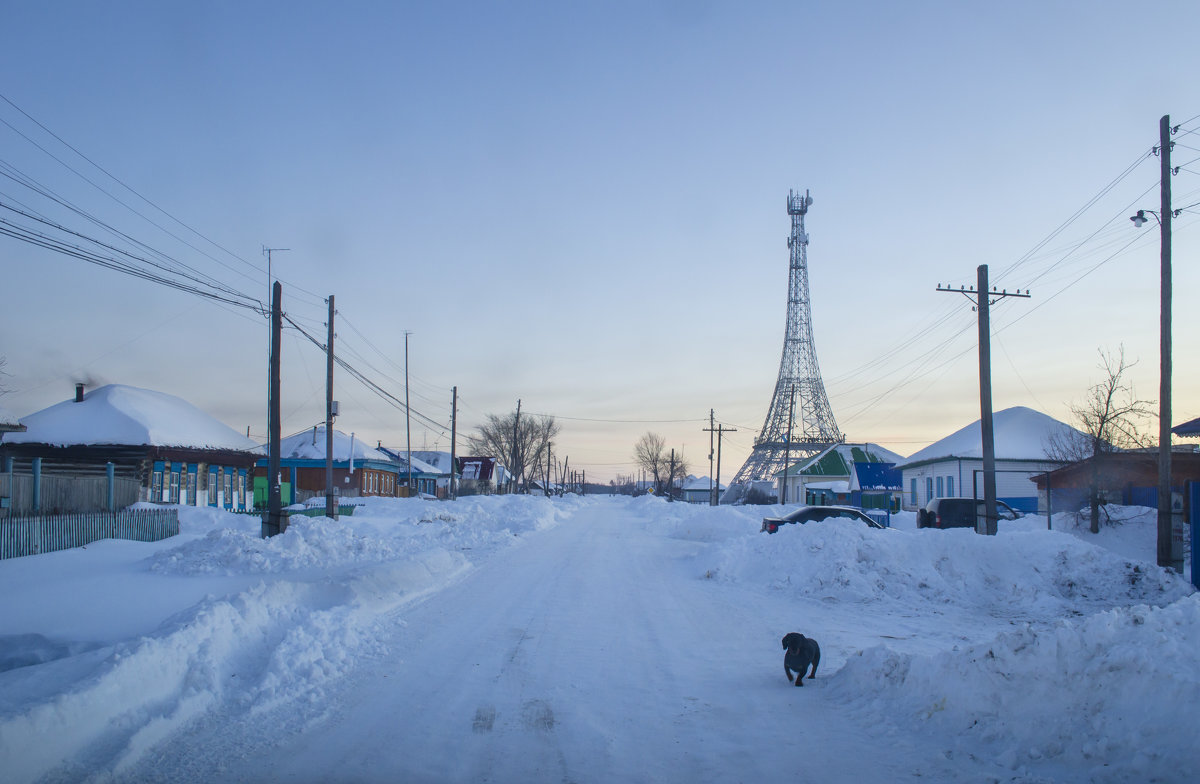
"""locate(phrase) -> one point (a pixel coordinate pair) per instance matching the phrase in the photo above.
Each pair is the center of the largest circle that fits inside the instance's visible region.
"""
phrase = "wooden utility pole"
(331, 509)
(453, 439)
(671, 478)
(982, 299)
(1165, 557)
(512, 481)
(407, 417)
(712, 418)
(715, 494)
(273, 524)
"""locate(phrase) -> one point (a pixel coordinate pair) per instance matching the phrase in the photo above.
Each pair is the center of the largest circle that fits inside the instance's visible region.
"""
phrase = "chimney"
(79, 393)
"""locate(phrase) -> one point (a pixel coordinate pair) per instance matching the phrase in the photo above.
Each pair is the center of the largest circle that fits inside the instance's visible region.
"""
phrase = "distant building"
(699, 489)
(358, 469)
(482, 476)
(424, 476)
(829, 478)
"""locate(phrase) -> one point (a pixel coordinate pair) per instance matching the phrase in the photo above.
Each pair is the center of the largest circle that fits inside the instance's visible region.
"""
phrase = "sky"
(581, 206)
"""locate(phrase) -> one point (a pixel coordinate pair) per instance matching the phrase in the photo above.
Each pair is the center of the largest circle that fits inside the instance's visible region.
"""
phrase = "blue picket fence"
(22, 535)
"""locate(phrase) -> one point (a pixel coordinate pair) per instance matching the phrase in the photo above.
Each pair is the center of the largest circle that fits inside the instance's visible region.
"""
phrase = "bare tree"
(651, 453)
(1108, 421)
(528, 453)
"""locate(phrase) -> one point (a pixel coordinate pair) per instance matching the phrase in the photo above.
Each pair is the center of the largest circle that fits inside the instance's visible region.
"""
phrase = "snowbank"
(1104, 698)
(281, 640)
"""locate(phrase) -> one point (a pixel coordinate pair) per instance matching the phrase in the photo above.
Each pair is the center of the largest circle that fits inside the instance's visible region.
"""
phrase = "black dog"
(801, 652)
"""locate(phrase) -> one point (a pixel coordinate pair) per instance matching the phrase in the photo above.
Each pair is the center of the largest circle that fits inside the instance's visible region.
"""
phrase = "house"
(358, 469)
(164, 448)
(828, 478)
(482, 476)
(443, 466)
(952, 467)
(424, 476)
(876, 485)
(698, 489)
(1127, 478)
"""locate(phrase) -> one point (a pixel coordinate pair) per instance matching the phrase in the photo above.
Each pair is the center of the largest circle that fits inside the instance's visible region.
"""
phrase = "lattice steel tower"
(799, 405)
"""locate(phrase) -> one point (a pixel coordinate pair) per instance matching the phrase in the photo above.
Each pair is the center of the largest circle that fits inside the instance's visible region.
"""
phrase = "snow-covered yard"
(597, 639)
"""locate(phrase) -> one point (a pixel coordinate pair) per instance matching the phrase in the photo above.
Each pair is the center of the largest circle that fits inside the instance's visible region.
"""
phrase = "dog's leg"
(816, 661)
(788, 673)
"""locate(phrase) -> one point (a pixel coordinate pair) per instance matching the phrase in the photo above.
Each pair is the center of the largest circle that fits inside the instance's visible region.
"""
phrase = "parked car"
(959, 512)
(812, 514)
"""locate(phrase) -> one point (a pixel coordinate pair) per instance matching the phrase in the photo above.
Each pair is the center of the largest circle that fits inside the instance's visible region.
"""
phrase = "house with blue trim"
(830, 477)
(177, 453)
(358, 468)
(953, 466)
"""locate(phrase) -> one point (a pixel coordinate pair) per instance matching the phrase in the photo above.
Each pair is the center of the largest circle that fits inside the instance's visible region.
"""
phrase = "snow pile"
(280, 640)
(1085, 695)
(1044, 573)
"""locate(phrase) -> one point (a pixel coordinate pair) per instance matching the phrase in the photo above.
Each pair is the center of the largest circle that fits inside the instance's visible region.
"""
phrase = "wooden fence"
(29, 535)
(60, 493)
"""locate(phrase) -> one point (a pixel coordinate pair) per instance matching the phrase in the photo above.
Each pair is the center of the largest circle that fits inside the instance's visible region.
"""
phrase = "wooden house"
(358, 469)
(164, 448)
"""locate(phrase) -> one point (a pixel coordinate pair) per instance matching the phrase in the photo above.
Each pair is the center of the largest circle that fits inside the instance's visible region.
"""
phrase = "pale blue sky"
(582, 205)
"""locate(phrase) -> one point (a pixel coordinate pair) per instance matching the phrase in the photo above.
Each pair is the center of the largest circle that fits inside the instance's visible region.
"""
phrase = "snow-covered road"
(591, 652)
(516, 639)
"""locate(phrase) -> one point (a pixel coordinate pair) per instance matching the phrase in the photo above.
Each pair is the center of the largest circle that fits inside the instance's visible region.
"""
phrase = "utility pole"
(712, 498)
(407, 416)
(982, 300)
(512, 481)
(1164, 376)
(273, 524)
(715, 493)
(331, 509)
(720, 430)
(453, 438)
(671, 478)
(787, 449)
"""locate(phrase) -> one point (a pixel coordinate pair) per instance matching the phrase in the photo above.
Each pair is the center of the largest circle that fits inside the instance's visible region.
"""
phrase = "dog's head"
(792, 641)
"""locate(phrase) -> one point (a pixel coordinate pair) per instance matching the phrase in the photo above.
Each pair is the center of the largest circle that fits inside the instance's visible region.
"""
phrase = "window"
(929, 488)
(241, 490)
(940, 488)
(213, 477)
(950, 486)
(912, 489)
(191, 485)
(156, 482)
(227, 486)
(174, 489)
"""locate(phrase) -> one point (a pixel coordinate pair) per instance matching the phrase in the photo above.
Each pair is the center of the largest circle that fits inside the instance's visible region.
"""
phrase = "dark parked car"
(811, 514)
(959, 512)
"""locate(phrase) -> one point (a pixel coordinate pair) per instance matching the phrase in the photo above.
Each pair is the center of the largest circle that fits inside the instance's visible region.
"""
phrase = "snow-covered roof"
(399, 455)
(310, 445)
(117, 414)
(439, 460)
(1019, 433)
(700, 483)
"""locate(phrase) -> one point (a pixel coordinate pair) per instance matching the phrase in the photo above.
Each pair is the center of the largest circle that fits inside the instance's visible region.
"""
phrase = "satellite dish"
(808, 200)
